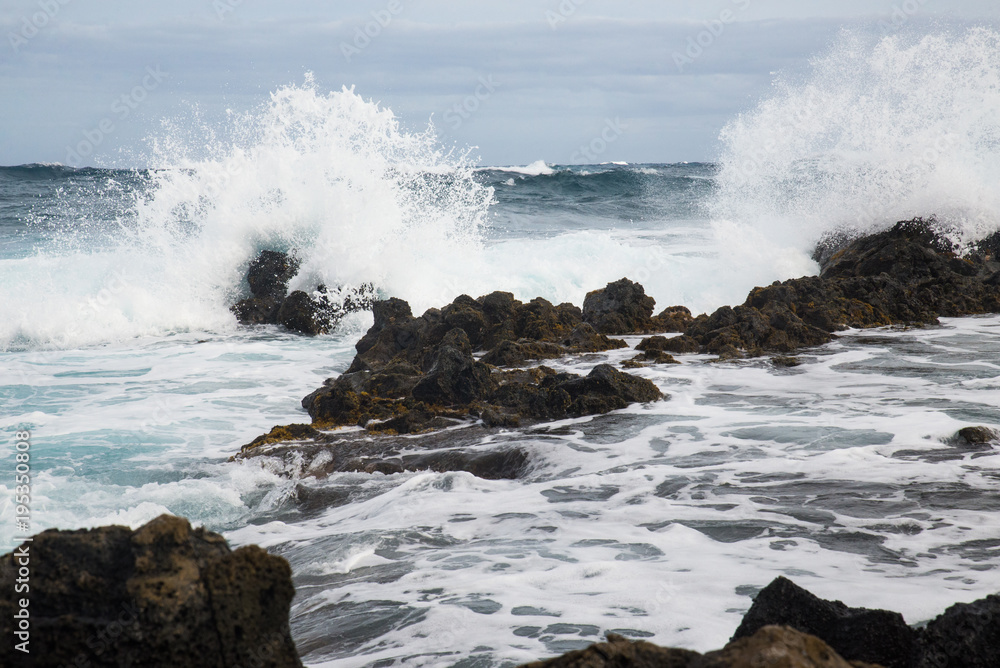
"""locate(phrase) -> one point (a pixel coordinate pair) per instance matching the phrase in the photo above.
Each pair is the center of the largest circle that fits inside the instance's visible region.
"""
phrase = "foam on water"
(661, 521)
(880, 130)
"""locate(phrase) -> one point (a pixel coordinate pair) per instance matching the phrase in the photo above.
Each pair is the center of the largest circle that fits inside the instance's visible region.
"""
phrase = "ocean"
(120, 355)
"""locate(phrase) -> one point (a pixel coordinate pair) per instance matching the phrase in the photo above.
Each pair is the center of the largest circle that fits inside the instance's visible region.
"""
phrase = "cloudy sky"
(519, 80)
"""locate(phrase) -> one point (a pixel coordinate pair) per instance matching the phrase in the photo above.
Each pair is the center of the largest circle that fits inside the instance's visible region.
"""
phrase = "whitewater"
(118, 351)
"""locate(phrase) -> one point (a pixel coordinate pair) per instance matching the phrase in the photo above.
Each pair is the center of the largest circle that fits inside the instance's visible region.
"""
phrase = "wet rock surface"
(789, 627)
(413, 375)
(311, 313)
(875, 636)
(163, 595)
(772, 646)
(907, 275)
(464, 363)
(967, 634)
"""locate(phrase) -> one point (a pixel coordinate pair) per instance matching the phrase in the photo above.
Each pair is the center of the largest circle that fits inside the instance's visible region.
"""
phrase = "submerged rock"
(978, 436)
(164, 595)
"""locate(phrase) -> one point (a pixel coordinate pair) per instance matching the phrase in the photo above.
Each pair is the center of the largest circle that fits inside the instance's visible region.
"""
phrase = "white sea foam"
(537, 168)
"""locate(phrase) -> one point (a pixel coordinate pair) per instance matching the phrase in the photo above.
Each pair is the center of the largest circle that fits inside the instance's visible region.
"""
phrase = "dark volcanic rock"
(269, 273)
(301, 313)
(161, 596)
(771, 647)
(904, 275)
(777, 647)
(983, 436)
(312, 314)
(649, 358)
(967, 635)
(673, 319)
(392, 452)
(619, 652)
(857, 634)
(418, 374)
(621, 308)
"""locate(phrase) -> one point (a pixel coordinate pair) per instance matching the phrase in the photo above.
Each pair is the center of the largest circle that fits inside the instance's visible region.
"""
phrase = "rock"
(316, 313)
(680, 345)
(905, 275)
(857, 634)
(967, 635)
(516, 353)
(673, 319)
(283, 434)
(301, 313)
(648, 358)
(653, 343)
(785, 362)
(606, 389)
(269, 274)
(454, 378)
(771, 647)
(393, 451)
(978, 436)
(776, 647)
(619, 652)
(161, 596)
(620, 308)
(585, 339)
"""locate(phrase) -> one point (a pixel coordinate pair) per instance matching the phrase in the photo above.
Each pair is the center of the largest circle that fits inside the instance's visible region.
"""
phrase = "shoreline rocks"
(906, 275)
(414, 375)
(466, 362)
(789, 627)
(163, 595)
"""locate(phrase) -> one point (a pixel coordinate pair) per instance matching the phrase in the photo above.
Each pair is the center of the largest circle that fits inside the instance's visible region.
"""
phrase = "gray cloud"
(557, 87)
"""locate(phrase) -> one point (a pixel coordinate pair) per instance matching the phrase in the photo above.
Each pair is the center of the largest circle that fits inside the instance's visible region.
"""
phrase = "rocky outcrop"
(875, 636)
(311, 313)
(967, 635)
(772, 646)
(905, 275)
(164, 595)
(413, 375)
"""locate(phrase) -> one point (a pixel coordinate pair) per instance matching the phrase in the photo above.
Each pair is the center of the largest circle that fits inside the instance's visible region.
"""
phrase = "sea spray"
(880, 130)
(330, 177)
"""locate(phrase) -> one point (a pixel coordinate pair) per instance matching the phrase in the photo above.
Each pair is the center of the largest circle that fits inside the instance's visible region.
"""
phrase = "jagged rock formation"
(309, 313)
(162, 596)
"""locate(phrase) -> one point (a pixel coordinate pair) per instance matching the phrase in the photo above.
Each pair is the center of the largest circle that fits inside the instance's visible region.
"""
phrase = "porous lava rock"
(162, 596)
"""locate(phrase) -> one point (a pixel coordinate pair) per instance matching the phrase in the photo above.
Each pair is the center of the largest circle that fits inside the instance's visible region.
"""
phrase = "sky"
(84, 82)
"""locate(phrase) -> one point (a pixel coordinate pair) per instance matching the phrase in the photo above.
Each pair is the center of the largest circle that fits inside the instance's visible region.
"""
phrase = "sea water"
(659, 521)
